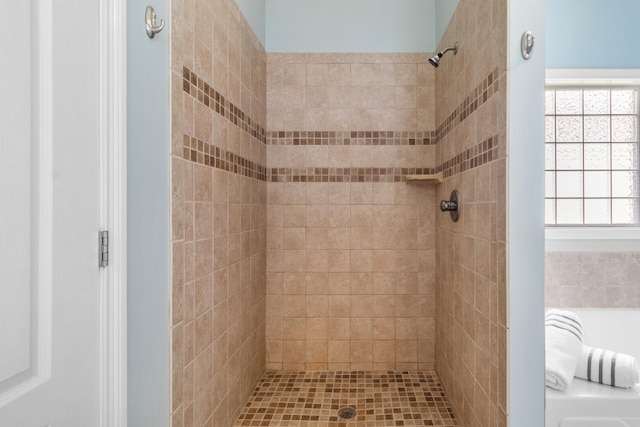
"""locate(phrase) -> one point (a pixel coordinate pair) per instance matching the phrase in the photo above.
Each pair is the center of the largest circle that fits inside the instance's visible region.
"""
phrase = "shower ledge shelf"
(436, 177)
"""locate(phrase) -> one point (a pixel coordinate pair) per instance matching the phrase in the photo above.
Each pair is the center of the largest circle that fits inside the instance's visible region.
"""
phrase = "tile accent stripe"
(206, 154)
(195, 86)
(344, 174)
(478, 155)
(351, 138)
(478, 96)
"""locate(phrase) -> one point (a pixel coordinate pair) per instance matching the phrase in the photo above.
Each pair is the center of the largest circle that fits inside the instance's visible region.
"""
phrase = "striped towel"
(606, 367)
(563, 344)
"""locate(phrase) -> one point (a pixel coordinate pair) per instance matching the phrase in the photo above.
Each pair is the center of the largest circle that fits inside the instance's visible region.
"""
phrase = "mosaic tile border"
(351, 138)
(284, 398)
(478, 155)
(344, 174)
(478, 96)
(206, 154)
(195, 86)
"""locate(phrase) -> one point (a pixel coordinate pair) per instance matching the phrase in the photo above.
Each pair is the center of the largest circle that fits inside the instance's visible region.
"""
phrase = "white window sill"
(592, 239)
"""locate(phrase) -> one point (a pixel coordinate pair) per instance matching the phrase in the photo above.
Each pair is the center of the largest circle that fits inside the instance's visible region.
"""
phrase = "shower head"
(435, 59)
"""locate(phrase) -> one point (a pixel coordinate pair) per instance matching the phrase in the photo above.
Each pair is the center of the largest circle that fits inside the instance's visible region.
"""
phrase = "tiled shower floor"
(379, 398)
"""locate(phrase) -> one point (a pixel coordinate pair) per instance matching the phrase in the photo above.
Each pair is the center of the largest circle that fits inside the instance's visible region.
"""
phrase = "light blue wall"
(593, 33)
(148, 218)
(444, 12)
(525, 216)
(350, 26)
(254, 12)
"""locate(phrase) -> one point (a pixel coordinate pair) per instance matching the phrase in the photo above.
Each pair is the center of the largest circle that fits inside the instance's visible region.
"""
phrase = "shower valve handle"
(452, 206)
(448, 205)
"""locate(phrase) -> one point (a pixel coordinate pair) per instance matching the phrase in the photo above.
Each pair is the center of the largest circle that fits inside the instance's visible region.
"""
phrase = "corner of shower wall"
(471, 325)
(218, 211)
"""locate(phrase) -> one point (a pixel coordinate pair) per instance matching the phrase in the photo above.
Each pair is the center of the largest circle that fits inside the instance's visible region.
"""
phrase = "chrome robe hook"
(150, 22)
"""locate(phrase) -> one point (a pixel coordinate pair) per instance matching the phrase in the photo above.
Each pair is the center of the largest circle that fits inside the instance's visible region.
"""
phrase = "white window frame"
(592, 239)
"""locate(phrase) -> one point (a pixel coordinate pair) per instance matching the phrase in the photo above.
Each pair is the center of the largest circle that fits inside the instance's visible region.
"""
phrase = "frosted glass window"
(569, 211)
(549, 156)
(569, 184)
(597, 129)
(549, 102)
(597, 101)
(550, 211)
(624, 128)
(568, 102)
(624, 101)
(624, 184)
(597, 211)
(568, 129)
(591, 156)
(597, 156)
(624, 156)
(550, 129)
(550, 184)
(597, 184)
(624, 211)
(569, 156)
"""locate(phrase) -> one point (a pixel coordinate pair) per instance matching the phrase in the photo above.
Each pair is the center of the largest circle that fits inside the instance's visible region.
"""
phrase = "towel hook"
(150, 22)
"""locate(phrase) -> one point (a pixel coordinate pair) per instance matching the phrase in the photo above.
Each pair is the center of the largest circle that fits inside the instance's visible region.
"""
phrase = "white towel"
(607, 367)
(563, 344)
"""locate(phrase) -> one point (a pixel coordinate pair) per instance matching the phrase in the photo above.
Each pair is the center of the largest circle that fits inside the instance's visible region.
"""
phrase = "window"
(591, 154)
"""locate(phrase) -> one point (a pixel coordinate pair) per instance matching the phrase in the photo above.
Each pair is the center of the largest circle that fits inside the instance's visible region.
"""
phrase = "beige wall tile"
(293, 261)
(339, 328)
(316, 329)
(317, 74)
(339, 307)
(294, 329)
(293, 75)
(293, 237)
(361, 351)
(293, 306)
(294, 283)
(317, 306)
(339, 261)
(384, 352)
(339, 351)
(294, 216)
(293, 351)
(361, 328)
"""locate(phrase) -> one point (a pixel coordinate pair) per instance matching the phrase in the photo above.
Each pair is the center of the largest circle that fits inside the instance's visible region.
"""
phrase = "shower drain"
(347, 413)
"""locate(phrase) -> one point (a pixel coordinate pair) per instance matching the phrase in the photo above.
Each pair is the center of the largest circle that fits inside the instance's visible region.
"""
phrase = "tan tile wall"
(471, 254)
(350, 246)
(218, 208)
(592, 279)
(347, 92)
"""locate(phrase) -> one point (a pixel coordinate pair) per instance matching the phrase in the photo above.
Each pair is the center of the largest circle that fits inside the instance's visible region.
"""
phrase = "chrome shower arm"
(454, 49)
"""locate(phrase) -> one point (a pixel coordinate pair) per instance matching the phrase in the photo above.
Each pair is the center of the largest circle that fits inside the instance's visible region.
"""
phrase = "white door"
(49, 213)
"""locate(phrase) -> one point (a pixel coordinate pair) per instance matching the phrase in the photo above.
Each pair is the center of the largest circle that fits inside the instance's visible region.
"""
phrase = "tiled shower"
(350, 244)
(298, 245)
